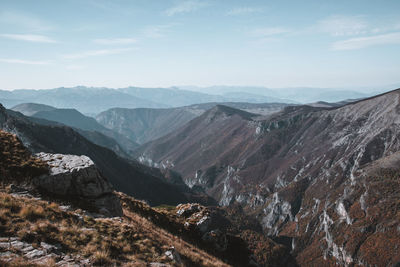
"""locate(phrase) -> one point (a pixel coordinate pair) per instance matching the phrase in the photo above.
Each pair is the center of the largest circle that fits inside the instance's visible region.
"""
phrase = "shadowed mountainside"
(87, 126)
(126, 176)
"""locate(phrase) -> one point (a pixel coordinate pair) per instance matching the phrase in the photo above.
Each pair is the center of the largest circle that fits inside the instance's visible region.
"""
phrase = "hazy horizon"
(235, 88)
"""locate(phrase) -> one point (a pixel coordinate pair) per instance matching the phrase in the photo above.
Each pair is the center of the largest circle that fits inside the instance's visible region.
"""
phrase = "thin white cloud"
(269, 31)
(185, 7)
(340, 25)
(363, 42)
(115, 41)
(22, 61)
(29, 38)
(243, 11)
(101, 52)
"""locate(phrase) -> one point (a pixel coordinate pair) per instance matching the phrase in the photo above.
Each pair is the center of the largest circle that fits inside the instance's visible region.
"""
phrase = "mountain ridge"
(144, 124)
(87, 126)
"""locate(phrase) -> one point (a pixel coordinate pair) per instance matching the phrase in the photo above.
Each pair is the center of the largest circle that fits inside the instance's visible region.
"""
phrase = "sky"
(163, 43)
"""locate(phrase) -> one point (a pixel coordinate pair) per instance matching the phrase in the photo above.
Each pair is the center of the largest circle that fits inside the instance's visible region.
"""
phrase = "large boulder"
(77, 178)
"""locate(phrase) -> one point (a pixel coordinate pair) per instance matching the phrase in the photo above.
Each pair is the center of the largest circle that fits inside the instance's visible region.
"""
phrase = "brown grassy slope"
(130, 240)
(16, 161)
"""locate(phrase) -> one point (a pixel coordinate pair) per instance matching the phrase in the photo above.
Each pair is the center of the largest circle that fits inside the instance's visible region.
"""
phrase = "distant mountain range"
(86, 100)
(292, 94)
(93, 100)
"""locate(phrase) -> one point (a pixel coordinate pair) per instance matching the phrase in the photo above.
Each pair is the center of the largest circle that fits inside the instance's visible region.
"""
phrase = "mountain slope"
(258, 108)
(29, 109)
(297, 171)
(173, 97)
(143, 125)
(126, 176)
(87, 126)
(200, 144)
(70, 117)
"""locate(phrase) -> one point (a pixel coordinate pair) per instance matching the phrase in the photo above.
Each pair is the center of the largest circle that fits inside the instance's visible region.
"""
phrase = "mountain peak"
(395, 92)
(29, 109)
(229, 111)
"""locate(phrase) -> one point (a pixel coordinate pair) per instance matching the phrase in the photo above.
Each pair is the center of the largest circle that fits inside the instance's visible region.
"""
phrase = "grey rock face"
(40, 255)
(72, 175)
(188, 210)
(77, 177)
(174, 255)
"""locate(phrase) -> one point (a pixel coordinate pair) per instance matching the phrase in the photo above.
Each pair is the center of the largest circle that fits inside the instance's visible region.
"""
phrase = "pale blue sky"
(341, 43)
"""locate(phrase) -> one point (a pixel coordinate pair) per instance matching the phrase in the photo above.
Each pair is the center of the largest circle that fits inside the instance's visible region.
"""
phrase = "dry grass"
(17, 163)
(101, 258)
(130, 241)
(32, 213)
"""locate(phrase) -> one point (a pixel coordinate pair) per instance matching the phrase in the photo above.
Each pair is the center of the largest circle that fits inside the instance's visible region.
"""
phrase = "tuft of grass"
(101, 258)
(18, 165)
(9, 203)
(32, 213)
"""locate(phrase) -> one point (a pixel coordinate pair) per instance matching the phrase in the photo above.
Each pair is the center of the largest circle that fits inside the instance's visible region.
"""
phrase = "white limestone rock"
(72, 175)
(78, 178)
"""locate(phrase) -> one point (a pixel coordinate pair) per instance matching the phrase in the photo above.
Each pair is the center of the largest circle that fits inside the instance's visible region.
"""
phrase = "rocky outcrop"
(195, 216)
(173, 255)
(205, 222)
(232, 235)
(42, 254)
(76, 177)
